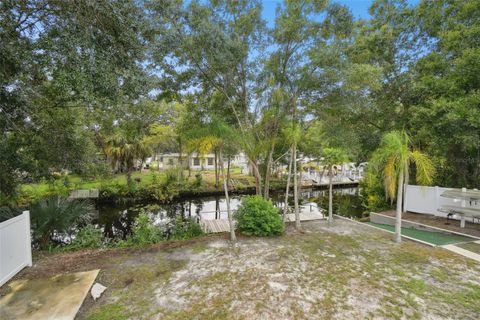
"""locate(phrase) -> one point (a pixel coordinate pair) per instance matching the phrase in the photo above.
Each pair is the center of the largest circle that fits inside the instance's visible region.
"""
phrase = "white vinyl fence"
(423, 199)
(15, 246)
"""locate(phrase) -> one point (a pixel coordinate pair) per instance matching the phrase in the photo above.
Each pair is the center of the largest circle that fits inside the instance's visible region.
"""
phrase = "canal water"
(117, 220)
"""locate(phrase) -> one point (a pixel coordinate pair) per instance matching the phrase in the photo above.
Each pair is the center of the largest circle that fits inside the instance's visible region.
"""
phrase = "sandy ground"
(347, 271)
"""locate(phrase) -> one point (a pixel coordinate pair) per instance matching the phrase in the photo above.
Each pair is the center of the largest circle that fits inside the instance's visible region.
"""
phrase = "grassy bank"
(148, 185)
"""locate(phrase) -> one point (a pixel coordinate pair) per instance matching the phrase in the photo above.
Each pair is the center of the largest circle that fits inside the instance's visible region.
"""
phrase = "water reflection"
(117, 221)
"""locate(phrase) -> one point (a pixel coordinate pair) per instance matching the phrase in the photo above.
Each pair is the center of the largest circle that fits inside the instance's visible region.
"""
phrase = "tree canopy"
(82, 82)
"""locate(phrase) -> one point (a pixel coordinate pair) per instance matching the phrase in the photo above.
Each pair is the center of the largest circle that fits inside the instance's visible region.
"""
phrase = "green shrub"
(257, 216)
(144, 232)
(57, 214)
(8, 213)
(187, 229)
(197, 183)
(87, 237)
(173, 176)
(373, 192)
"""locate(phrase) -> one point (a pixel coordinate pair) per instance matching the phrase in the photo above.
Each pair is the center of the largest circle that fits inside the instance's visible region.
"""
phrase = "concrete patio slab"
(58, 297)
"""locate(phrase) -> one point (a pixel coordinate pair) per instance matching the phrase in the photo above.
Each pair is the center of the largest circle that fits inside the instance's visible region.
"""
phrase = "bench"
(463, 212)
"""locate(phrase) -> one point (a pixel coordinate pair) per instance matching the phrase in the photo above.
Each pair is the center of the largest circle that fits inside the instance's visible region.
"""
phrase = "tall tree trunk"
(129, 177)
(300, 179)
(216, 169)
(405, 188)
(228, 172)
(258, 178)
(227, 199)
(398, 215)
(330, 195)
(217, 208)
(266, 185)
(287, 191)
(295, 187)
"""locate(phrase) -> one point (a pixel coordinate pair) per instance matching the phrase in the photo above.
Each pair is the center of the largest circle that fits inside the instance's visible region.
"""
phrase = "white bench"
(462, 212)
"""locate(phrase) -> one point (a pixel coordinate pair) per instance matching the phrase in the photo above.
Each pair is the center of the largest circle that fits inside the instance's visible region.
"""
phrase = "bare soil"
(347, 271)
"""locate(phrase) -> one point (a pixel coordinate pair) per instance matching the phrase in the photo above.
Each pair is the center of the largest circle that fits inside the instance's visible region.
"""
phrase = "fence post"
(29, 240)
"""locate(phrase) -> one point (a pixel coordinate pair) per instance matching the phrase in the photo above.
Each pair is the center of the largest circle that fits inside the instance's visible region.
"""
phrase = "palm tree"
(215, 135)
(331, 157)
(123, 151)
(392, 159)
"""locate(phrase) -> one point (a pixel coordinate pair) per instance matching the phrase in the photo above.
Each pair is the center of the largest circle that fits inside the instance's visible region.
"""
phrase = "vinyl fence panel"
(15, 246)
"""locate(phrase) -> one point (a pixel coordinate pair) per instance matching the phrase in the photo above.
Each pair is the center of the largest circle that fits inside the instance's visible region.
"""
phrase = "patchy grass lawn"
(347, 271)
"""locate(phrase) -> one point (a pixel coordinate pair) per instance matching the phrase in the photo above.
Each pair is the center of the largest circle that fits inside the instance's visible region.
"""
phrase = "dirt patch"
(342, 271)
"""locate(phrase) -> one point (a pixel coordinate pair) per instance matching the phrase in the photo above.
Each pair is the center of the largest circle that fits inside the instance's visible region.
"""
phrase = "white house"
(196, 161)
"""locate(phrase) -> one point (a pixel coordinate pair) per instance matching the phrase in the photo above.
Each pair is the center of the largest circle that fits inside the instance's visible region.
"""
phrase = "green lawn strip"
(437, 238)
(470, 246)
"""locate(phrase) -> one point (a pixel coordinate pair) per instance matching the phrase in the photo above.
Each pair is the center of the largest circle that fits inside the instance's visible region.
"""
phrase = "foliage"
(334, 156)
(124, 151)
(257, 216)
(394, 157)
(87, 237)
(57, 215)
(115, 81)
(197, 183)
(144, 232)
(8, 213)
(373, 192)
(185, 229)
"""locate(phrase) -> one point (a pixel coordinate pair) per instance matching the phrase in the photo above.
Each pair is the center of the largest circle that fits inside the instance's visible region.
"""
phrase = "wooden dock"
(84, 194)
(222, 225)
(215, 226)
(305, 217)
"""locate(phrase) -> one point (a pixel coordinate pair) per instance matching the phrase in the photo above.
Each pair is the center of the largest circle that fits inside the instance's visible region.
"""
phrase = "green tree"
(61, 68)
(216, 134)
(217, 46)
(293, 134)
(124, 151)
(392, 160)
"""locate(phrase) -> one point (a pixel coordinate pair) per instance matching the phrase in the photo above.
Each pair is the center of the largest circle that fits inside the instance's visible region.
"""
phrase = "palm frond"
(390, 177)
(425, 167)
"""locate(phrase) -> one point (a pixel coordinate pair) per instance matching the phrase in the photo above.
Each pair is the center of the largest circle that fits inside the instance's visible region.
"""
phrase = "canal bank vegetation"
(60, 225)
(213, 78)
(148, 185)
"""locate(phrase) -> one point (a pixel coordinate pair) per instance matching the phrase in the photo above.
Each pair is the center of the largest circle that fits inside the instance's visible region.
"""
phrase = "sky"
(359, 8)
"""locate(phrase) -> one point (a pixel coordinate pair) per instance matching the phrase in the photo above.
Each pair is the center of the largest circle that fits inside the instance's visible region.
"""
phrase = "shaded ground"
(346, 271)
(439, 222)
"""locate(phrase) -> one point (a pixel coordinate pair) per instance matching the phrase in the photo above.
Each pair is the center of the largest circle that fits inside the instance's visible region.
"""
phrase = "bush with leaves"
(373, 192)
(185, 229)
(197, 183)
(257, 216)
(57, 215)
(144, 232)
(87, 237)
